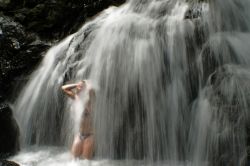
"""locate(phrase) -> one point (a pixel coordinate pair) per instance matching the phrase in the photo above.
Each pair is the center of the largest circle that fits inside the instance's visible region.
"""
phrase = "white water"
(54, 156)
(169, 90)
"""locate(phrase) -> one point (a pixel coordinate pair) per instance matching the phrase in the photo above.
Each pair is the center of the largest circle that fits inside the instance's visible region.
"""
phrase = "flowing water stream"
(172, 87)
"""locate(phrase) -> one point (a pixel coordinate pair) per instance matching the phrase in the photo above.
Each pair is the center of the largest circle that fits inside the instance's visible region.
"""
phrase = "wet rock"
(55, 19)
(8, 163)
(229, 98)
(10, 4)
(9, 136)
(20, 52)
(4, 3)
(194, 11)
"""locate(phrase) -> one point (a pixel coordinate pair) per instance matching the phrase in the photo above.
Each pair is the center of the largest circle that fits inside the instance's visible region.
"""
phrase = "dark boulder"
(8, 163)
(9, 136)
(20, 52)
(55, 19)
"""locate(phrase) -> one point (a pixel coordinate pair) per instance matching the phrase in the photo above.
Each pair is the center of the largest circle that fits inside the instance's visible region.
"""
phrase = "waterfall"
(171, 80)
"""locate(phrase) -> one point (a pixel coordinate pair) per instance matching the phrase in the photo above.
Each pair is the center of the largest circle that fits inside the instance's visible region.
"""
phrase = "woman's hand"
(79, 85)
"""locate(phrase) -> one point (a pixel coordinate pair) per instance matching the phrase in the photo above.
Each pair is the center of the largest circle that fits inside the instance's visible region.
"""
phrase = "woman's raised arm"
(69, 89)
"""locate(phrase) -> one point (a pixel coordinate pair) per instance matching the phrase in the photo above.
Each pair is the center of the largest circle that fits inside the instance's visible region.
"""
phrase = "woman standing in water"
(83, 145)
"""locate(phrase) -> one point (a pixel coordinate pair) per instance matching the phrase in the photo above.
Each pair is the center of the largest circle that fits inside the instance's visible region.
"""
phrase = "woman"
(83, 145)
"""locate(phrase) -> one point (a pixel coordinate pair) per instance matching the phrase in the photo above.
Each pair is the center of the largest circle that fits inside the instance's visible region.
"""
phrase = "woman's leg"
(76, 148)
(88, 147)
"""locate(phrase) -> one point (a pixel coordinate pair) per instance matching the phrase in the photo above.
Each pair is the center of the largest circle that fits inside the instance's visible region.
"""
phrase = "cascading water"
(171, 80)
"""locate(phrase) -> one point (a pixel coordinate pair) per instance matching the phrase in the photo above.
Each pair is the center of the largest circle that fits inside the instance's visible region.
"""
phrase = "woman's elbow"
(63, 88)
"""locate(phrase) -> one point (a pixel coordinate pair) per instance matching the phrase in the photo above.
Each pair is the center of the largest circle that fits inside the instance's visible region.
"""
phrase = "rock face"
(9, 137)
(54, 19)
(26, 28)
(20, 52)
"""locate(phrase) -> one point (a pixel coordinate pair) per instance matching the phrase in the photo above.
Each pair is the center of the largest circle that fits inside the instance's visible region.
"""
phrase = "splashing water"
(171, 79)
(54, 156)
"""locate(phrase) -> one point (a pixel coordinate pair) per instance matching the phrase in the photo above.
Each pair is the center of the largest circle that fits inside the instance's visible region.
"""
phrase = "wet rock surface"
(8, 163)
(230, 112)
(194, 11)
(54, 19)
(20, 53)
(9, 137)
